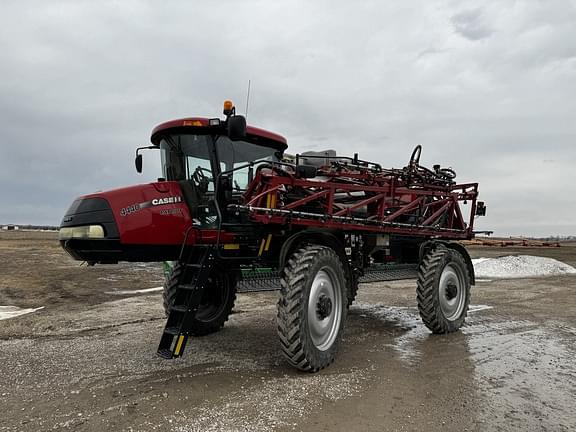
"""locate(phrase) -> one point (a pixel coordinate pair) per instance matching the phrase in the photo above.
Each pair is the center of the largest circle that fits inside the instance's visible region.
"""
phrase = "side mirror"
(236, 127)
(138, 163)
(480, 208)
(138, 160)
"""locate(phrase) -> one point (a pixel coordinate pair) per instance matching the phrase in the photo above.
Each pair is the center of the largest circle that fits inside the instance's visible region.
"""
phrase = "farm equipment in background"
(510, 242)
(234, 212)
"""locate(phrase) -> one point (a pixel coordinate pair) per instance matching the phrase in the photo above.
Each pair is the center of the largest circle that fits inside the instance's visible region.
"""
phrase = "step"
(175, 331)
(165, 353)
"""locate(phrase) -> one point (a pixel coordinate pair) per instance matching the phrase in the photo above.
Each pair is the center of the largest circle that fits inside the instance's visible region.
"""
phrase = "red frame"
(390, 198)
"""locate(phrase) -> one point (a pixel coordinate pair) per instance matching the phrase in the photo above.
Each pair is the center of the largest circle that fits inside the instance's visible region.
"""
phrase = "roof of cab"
(200, 124)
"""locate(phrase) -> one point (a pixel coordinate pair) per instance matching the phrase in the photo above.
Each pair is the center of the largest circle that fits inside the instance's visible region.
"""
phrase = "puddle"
(7, 312)
(411, 345)
(526, 372)
(132, 292)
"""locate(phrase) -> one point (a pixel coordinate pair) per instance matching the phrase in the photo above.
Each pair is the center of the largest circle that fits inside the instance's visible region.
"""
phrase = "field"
(86, 361)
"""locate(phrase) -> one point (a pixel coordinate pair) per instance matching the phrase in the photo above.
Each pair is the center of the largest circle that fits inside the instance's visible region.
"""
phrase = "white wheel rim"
(451, 293)
(324, 309)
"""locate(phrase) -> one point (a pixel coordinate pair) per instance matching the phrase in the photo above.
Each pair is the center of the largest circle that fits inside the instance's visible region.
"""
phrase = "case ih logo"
(167, 200)
(155, 202)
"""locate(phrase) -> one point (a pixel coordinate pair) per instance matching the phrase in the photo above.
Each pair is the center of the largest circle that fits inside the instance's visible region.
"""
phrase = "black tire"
(312, 307)
(443, 290)
(216, 304)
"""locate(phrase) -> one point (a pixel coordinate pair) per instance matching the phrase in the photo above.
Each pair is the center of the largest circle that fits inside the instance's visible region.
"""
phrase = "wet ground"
(87, 360)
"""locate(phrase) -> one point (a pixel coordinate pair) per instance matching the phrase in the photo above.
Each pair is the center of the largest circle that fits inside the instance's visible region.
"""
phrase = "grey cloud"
(470, 24)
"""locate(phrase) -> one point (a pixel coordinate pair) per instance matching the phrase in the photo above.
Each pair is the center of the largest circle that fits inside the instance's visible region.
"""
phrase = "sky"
(487, 88)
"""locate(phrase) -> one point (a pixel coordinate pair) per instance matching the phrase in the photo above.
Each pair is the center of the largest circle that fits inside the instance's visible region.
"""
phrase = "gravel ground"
(87, 360)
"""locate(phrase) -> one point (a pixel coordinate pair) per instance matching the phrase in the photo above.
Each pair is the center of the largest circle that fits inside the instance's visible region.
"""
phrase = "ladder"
(186, 302)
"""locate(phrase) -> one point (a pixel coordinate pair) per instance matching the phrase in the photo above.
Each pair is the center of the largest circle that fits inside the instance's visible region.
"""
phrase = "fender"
(426, 246)
(320, 237)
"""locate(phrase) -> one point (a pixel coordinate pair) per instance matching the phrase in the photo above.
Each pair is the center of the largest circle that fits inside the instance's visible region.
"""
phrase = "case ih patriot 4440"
(232, 210)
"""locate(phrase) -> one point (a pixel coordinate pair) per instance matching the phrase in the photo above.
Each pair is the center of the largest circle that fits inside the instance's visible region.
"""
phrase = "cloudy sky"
(488, 88)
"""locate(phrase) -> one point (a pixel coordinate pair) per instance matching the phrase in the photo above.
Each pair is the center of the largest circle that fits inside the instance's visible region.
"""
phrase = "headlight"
(81, 232)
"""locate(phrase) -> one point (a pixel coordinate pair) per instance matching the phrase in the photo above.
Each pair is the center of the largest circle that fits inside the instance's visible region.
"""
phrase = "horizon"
(478, 236)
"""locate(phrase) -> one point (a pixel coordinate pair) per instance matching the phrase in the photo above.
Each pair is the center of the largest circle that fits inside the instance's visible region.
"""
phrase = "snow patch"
(520, 266)
(478, 308)
(131, 292)
(7, 312)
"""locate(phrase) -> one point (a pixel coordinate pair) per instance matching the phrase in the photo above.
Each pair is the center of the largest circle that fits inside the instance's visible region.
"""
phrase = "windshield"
(187, 157)
(235, 154)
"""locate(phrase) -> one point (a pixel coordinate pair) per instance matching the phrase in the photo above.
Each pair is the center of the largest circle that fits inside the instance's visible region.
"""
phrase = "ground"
(87, 360)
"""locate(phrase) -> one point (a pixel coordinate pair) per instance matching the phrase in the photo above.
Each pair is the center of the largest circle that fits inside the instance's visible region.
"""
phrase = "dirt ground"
(87, 361)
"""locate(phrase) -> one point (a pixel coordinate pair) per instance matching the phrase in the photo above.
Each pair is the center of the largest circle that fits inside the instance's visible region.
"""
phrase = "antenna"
(247, 99)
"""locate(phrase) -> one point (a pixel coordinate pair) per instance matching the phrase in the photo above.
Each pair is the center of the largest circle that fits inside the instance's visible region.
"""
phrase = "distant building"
(10, 227)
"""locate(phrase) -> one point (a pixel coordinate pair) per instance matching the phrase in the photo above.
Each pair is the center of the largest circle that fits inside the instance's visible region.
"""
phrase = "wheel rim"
(451, 293)
(324, 309)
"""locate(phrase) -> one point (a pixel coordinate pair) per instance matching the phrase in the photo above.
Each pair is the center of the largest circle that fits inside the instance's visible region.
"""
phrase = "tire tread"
(291, 331)
(427, 290)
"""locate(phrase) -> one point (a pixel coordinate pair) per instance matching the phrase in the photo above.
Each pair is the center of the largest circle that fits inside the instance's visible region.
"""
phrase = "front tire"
(312, 307)
(443, 290)
(216, 303)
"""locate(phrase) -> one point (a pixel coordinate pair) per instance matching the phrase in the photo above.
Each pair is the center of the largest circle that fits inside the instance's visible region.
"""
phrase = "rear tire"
(312, 307)
(216, 304)
(443, 290)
